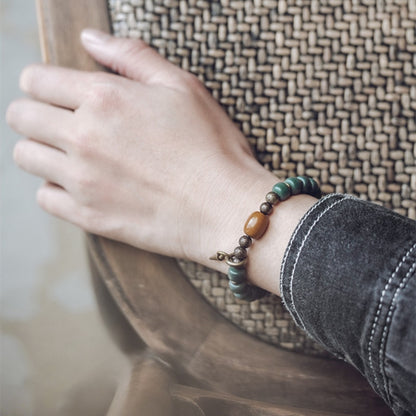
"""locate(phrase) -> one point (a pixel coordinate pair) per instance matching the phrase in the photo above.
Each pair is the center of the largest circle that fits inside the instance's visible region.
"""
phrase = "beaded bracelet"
(254, 228)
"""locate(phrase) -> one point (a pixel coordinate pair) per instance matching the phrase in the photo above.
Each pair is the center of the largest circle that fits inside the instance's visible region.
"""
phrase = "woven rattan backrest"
(324, 88)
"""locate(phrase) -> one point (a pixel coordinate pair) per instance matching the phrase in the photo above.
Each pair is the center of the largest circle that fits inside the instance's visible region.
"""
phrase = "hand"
(147, 158)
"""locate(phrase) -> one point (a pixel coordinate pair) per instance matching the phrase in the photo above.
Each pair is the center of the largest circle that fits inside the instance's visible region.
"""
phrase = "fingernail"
(94, 37)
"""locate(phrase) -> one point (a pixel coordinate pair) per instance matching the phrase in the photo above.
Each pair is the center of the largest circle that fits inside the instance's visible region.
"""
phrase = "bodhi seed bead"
(240, 253)
(245, 241)
(266, 208)
(256, 225)
(295, 185)
(282, 190)
(272, 198)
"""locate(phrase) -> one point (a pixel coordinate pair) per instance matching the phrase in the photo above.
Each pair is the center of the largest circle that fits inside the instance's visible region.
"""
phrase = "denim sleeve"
(348, 279)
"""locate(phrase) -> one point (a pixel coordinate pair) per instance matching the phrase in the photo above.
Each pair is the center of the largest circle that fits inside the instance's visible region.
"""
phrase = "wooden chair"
(186, 358)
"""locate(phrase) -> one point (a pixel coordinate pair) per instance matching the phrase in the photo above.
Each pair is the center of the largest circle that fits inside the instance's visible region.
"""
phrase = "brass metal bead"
(240, 253)
(245, 241)
(266, 208)
(272, 198)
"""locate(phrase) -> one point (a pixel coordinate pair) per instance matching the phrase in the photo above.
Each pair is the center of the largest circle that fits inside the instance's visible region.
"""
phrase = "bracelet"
(254, 228)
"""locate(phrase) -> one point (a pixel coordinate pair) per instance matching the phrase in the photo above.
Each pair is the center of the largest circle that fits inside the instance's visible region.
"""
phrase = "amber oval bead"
(256, 225)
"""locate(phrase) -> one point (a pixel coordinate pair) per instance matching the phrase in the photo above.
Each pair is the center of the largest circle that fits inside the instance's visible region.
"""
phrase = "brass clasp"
(229, 259)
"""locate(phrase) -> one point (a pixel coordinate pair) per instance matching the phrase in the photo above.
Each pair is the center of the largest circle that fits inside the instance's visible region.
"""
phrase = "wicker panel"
(323, 88)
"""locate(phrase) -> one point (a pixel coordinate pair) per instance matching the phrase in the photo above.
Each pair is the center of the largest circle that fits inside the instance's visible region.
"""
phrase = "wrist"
(225, 217)
(266, 254)
(235, 193)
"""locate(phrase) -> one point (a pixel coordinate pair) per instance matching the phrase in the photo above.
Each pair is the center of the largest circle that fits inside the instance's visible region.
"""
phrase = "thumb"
(131, 58)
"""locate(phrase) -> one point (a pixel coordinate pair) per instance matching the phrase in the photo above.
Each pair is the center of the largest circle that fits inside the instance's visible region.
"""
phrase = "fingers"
(131, 58)
(40, 160)
(43, 122)
(59, 86)
(58, 202)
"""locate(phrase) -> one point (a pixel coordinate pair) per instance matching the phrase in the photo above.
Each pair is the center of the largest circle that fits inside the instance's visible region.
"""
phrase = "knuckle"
(190, 78)
(99, 77)
(83, 183)
(97, 222)
(192, 82)
(104, 93)
(133, 48)
(82, 142)
(130, 50)
(90, 219)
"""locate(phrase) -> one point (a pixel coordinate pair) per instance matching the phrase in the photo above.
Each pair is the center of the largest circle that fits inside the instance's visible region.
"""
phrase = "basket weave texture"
(325, 88)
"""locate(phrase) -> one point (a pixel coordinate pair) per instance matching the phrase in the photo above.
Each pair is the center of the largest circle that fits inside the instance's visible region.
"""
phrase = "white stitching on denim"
(374, 325)
(292, 238)
(382, 363)
(347, 197)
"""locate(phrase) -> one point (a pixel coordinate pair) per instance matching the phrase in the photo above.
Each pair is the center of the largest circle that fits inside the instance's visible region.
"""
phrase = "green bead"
(251, 294)
(242, 296)
(295, 185)
(306, 184)
(282, 190)
(239, 288)
(315, 191)
(237, 275)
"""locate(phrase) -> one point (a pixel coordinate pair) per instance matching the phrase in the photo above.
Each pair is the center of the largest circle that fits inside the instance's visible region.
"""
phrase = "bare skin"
(146, 157)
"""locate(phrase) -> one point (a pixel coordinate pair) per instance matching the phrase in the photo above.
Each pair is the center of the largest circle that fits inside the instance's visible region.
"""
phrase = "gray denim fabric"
(348, 279)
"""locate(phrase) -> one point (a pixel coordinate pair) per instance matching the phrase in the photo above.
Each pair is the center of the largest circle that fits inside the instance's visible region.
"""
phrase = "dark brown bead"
(266, 208)
(245, 241)
(272, 198)
(240, 253)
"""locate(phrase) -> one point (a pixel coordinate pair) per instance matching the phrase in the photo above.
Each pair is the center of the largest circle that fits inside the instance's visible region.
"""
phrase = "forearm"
(348, 279)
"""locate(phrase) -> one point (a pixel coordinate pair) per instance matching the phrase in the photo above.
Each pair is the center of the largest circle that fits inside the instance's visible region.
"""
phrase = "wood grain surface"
(60, 25)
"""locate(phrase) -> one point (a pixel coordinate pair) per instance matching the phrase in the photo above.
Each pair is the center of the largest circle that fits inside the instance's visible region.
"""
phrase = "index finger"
(55, 85)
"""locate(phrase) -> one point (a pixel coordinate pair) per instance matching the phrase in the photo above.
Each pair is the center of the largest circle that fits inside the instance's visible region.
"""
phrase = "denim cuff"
(348, 279)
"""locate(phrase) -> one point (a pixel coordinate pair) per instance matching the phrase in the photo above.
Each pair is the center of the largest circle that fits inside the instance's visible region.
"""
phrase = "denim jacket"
(348, 279)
